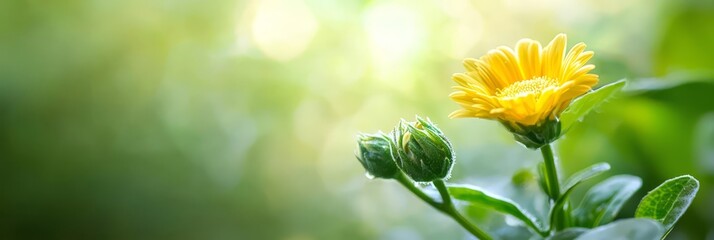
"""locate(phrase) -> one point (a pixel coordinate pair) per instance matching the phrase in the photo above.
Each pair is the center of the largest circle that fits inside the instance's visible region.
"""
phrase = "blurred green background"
(237, 119)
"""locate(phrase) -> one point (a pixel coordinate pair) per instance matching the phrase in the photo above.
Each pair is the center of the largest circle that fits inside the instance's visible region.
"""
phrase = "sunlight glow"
(395, 32)
(282, 29)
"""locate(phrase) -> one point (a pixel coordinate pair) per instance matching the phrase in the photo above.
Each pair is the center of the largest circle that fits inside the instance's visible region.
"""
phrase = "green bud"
(375, 155)
(422, 151)
(535, 136)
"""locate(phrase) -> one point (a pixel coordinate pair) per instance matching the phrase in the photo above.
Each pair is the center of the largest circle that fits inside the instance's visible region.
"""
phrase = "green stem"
(446, 206)
(450, 209)
(402, 178)
(553, 185)
(551, 171)
(444, 192)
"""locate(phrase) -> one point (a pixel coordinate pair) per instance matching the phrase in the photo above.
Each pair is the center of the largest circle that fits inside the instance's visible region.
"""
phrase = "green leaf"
(474, 194)
(627, 229)
(604, 200)
(556, 212)
(574, 180)
(585, 174)
(582, 105)
(506, 231)
(668, 202)
(568, 234)
(543, 181)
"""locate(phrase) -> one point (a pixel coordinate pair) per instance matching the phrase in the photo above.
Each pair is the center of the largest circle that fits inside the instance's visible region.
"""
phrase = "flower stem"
(450, 209)
(553, 184)
(446, 206)
(551, 171)
(402, 178)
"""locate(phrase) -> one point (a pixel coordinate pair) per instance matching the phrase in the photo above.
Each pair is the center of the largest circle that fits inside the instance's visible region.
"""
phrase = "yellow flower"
(525, 87)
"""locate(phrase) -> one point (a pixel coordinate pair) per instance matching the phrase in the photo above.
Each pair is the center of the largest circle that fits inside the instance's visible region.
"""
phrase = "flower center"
(526, 87)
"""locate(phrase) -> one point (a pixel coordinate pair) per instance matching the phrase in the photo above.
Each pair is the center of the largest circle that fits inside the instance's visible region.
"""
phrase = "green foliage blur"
(237, 119)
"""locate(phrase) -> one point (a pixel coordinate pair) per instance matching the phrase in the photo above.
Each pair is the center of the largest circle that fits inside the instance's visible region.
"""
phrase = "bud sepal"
(535, 136)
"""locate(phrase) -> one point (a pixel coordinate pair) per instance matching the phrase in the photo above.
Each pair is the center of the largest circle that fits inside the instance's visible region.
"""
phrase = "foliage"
(668, 202)
(583, 105)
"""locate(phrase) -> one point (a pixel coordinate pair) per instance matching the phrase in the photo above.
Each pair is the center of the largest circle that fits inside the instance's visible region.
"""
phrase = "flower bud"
(375, 155)
(422, 151)
(535, 136)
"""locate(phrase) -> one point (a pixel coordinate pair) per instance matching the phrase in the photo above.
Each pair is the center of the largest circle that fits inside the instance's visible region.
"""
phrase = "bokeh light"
(237, 119)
